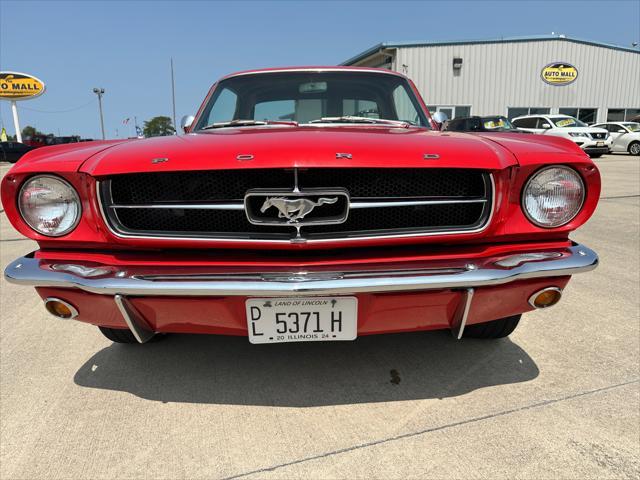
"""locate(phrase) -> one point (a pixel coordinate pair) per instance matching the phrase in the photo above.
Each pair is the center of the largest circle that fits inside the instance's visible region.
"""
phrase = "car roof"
(383, 71)
(548, 115)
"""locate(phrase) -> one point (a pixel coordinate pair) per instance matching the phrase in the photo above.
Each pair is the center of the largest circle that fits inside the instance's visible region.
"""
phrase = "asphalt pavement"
(559, 398)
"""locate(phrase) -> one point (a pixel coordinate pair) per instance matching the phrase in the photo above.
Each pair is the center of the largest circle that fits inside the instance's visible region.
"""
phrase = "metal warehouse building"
(593, 81)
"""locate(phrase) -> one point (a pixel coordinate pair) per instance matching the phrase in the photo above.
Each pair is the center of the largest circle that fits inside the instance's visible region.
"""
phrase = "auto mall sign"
(16, 86)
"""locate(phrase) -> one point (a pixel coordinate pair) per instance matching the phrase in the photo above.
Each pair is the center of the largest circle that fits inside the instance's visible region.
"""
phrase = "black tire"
(634, 148)
(123, 335)
(118, 335)
(495, 329)
(595, 155)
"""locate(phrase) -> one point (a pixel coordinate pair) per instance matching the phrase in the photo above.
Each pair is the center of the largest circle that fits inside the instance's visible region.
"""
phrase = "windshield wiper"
(355, 119)
(248, 122)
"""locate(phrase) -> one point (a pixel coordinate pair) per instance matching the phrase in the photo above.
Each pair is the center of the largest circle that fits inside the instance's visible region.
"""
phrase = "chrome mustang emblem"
(294, 210)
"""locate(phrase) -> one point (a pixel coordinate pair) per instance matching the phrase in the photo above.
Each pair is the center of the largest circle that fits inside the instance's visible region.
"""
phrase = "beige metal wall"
(495, 76)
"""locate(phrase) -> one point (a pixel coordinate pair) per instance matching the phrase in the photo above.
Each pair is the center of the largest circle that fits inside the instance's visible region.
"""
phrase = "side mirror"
(185, 122)
(546, 126)
(622, 130)
(439, 117)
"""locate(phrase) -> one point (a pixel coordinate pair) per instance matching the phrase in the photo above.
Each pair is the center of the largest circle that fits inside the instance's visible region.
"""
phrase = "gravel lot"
(560, 398)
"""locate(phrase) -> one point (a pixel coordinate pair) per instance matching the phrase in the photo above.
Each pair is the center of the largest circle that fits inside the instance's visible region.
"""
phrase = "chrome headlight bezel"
(73, 194)
(535, 175)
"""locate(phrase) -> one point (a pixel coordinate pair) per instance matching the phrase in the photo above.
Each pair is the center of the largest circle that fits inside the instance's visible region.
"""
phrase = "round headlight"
(49, 205)
(553, 196)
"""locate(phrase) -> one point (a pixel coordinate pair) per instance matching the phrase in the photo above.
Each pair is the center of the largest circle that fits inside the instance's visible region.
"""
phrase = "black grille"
(198, 222)
(225, 185)
(395, 182)
(230, 186)
(220, 185)
(437, 217)
(599, 135)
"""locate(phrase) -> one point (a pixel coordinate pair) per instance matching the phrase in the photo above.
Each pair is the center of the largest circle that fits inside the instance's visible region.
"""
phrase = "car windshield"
(632, 126)
(497, 124)
(564, 122)
(316, 98)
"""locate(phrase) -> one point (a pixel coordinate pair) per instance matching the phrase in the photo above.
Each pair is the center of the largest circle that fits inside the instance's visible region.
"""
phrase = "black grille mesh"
(231, 185)
(224, 185)
(434, 216)
(395, 182)
(205, 186)
(192, 221)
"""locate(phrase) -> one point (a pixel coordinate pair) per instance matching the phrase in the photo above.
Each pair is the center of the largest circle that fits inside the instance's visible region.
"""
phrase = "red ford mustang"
(303, 204)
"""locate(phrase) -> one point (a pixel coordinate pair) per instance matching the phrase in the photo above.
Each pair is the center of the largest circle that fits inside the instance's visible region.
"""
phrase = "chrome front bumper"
(456, 274)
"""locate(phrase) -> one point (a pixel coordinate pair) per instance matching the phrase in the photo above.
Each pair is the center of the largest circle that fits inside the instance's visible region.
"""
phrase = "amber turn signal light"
(545, 298)
(59, 308)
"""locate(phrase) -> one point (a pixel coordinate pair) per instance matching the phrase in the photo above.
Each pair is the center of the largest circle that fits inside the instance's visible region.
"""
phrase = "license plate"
(599, 144)
(309, 319)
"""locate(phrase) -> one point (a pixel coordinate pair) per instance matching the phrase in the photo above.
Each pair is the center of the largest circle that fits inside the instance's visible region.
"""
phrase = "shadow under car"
(378, 368)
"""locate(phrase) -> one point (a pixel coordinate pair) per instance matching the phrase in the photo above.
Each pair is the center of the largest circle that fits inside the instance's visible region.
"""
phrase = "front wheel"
(634, 148)
(495, 329)
(123, 335)
(595, 155)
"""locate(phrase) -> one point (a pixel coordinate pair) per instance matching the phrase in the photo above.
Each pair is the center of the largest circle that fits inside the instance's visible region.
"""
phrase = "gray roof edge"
(539, 38)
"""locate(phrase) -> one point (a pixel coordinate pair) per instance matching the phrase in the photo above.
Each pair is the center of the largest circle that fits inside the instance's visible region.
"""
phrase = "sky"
(125, 46)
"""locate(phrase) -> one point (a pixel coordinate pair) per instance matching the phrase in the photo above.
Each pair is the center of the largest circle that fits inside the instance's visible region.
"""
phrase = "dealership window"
(452, 111)
(587, 115)
(513, 112)
(621, 114)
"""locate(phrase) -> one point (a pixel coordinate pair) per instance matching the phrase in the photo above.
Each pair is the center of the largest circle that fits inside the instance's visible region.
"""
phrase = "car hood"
(309, 146)
(530, 148)
(582, 130)
(61, 158)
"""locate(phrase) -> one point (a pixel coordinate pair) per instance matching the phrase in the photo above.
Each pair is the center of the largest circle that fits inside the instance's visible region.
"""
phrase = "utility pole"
(100, 92)
(173, 97)
(16, 122)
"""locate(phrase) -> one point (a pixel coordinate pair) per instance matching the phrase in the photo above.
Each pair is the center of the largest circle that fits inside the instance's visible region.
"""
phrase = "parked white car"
(594, 141)
(625, 136)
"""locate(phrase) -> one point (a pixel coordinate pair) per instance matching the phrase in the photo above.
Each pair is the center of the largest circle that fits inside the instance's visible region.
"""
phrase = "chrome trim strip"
(574, 259)
(410, 203)
(72, 309)
(304, 275)
(132, 318)
(119, 234)
(352, 204)
(186, 206)
(319, 70)
(533, 297)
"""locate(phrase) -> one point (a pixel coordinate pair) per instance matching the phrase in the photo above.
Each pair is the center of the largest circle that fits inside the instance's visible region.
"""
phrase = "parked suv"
(625, 136)
(594, 141)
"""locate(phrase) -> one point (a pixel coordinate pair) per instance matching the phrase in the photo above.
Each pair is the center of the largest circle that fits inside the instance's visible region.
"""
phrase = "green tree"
(158, 127)
(30, 131)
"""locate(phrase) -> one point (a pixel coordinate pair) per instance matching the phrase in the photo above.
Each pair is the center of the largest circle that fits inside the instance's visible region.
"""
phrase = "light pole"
(173, 98)
(100, 92)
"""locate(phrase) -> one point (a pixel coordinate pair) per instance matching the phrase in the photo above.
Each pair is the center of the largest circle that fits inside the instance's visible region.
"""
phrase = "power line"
(59, 111)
